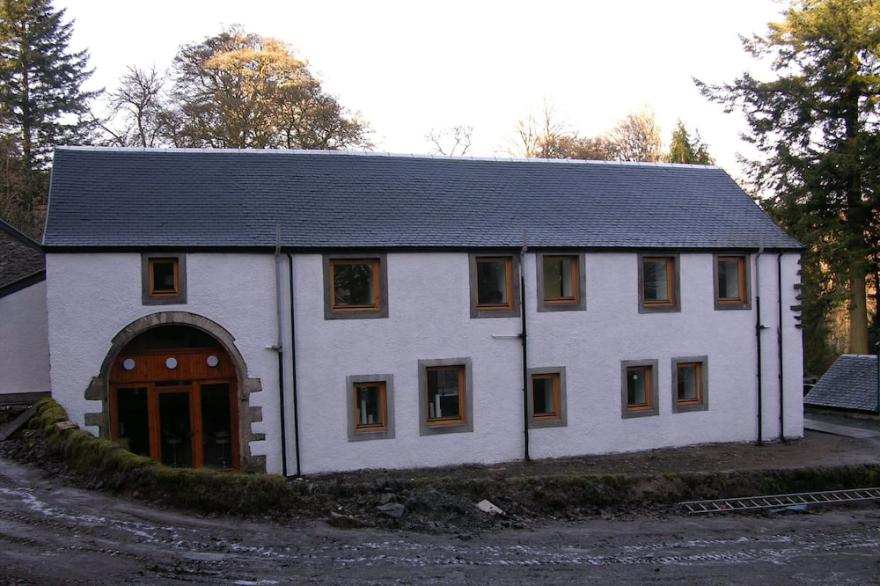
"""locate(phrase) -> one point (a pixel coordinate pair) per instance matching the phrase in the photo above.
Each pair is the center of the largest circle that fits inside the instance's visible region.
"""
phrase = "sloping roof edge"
(18, 234)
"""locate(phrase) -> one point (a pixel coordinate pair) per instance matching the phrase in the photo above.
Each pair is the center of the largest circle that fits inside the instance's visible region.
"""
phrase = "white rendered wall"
(792, 356)
(429, 318)
(91, 297)
(24, 342)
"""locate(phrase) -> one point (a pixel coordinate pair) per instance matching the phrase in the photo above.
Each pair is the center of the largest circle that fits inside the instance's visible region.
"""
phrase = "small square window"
(370, 406)
(731, 282)
(355, 284)
(547, 397)
(561, 281)
(355, 287)
(494, 290)
(445, 396)
(639, 388)
(494, 287)
(658, 283)
(689, 381)
(163, 278)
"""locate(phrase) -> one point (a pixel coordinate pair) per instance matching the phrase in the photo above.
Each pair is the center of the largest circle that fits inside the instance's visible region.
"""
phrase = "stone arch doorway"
(174, 387)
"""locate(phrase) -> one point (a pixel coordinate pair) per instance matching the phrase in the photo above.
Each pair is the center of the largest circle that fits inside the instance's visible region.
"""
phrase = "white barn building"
(305, 312)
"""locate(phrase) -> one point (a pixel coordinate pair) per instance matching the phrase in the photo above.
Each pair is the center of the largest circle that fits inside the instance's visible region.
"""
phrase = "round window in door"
(173, 398)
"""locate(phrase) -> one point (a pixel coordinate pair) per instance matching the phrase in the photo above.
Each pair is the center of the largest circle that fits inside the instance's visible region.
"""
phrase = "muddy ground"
(443, 500)
(52, 533)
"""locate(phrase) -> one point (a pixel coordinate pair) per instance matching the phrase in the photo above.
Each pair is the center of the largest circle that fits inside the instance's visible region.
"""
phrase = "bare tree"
(551, 138)
(138, 113)
(450, 142)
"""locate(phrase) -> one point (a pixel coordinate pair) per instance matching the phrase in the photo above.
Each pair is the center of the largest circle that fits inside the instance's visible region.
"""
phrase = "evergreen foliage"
(685, 149)
(42, 103)
(816, 126)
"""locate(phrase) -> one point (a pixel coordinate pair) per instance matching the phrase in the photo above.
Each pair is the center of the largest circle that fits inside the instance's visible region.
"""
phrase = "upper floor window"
(731, 281)
(658, 283)
(561, 281)
(163, 277)
(494, 286)
(355, 287)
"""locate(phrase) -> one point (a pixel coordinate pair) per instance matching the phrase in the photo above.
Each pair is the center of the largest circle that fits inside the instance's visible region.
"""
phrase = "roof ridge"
(382, 154)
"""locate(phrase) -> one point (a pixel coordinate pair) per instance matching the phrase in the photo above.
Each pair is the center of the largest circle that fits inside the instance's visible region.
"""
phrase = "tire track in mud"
(44, 527)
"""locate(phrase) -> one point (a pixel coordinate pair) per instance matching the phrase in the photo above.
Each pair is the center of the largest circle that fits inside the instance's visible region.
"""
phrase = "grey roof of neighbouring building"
(850, 383)
(20, 257)
(136, 198)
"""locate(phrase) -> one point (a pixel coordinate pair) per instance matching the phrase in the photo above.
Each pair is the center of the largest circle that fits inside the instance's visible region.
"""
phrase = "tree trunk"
(856, 217)
(858, 310)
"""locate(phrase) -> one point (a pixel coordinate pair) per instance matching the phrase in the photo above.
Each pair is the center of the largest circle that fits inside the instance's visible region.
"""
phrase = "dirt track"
(53, 533)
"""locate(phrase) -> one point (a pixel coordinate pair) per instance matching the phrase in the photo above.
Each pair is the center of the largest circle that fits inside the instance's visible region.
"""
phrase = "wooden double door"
(182, 422)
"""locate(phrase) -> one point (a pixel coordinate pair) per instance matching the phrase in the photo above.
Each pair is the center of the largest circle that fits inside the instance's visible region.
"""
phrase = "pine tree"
(686, 149)
(42, 102)
(816, 126)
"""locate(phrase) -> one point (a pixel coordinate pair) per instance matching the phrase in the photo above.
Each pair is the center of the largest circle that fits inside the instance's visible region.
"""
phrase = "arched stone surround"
(98, 389)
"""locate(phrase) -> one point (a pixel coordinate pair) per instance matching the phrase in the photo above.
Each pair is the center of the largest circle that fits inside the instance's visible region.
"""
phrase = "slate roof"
(850, 383)
(130, 198)
(20, 256)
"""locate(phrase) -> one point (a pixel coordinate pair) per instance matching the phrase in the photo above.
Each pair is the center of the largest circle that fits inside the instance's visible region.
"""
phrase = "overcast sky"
(408, 67)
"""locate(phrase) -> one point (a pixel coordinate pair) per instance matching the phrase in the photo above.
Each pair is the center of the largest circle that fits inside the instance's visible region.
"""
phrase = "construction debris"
(7, 430)
(488, 507)
(65, 425)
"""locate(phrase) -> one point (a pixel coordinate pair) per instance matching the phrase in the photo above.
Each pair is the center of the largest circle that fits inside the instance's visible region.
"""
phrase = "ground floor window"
(172, 397)
(370, 406)
(690, 378)
(639, 388)
(445, 395)
(547, 397)
(178, 423)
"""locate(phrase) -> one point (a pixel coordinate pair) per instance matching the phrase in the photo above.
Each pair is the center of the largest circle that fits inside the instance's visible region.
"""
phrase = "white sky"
(408, 67)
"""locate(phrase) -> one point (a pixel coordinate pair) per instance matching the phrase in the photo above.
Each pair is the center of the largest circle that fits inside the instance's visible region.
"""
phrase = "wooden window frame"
(579, 283)
(149, 294)
(743, 301)
(462, 423)
(373, 263)
(382, 424)
(462, 391)
(672, 284)
(701, 403)
(651, 406)
(193, 389)
(511, 268)
(377, 309)
(357, 432)
(560, 417)
(508, 282)
(175, 270)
